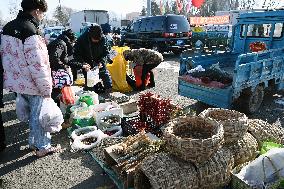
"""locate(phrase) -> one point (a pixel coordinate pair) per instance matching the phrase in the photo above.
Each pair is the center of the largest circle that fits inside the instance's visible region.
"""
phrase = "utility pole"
(149, 8)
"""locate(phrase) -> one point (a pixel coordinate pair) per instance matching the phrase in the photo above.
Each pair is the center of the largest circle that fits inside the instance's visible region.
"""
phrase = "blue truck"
(255, 64)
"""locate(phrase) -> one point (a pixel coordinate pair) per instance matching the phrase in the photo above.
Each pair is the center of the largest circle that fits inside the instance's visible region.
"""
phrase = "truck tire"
(251, 100)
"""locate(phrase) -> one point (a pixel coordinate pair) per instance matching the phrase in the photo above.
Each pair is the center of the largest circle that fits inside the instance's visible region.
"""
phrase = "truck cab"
(255, 64)
(265, 27)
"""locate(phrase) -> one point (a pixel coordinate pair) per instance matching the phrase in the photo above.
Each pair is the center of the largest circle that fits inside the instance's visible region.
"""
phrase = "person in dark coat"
(2, 132)
(91, 49)
(59, 50)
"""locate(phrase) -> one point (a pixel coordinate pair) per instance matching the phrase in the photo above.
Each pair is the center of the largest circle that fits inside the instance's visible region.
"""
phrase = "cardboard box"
(129, 107)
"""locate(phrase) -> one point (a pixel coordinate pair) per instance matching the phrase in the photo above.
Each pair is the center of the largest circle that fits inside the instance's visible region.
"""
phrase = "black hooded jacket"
(87, 52)
(58, 51)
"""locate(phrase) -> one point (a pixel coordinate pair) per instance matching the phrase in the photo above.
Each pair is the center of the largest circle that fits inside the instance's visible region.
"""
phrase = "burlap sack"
(245, 149)
(164, 171)
(216, 172)
(235, 124)
(193, 139)
(263, 131)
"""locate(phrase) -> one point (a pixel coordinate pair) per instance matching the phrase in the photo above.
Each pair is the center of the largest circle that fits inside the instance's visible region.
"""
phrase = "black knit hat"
(95, 32)
(69, 33)
(30, 5)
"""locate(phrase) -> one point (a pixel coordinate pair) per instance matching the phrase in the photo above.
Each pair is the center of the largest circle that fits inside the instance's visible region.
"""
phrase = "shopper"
(91, 50)
(60, 50)
(27, 69)
(147, 59)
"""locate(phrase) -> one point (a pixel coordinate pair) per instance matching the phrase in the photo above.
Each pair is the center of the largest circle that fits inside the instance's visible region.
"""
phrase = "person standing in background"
(27, 70)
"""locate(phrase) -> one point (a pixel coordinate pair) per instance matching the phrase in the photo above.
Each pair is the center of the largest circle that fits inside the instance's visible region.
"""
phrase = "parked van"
(162, 33)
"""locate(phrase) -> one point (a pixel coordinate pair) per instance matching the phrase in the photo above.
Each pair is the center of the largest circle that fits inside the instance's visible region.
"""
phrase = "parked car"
(51, 33)
(161, 33)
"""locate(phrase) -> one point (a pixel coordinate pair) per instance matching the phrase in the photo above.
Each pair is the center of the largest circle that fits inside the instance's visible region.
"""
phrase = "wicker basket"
(216, 172)
(167, 172)
(194, 139)
(246, 149)
(235, 124)
(263, 131)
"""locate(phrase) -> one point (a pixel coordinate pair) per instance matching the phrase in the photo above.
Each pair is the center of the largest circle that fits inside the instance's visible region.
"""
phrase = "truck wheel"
(251, 101)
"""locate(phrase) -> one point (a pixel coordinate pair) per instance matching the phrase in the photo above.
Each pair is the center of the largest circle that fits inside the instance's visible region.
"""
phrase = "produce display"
(152, 106)
(109, 121)
(192, 151)
(134, 149)
(119, 97)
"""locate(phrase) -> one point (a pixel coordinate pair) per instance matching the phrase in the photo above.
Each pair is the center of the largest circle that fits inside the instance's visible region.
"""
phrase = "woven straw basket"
(235, 124)
(193, 139)
(246, 149)
(165, 171)
(216, 172)
(263, 131)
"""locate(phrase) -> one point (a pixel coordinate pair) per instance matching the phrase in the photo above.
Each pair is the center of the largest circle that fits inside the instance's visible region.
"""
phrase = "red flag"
(197, 3)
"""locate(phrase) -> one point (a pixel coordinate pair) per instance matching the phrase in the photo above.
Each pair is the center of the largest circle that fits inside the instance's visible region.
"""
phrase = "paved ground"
(19, 169)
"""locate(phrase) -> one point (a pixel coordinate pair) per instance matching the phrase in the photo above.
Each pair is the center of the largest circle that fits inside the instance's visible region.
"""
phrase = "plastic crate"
(129, 128)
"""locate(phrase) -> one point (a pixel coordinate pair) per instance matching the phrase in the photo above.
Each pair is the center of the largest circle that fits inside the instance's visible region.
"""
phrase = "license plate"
(179, 42)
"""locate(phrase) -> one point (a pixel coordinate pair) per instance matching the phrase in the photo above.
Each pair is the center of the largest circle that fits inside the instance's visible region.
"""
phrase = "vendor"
(145, 60)
(91, 50)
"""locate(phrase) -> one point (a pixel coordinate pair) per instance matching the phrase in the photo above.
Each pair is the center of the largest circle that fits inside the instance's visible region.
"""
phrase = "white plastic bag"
(79, 144)
(93, 77)
(50, 116)
(263, 168)
(82, 131)
(22, 108)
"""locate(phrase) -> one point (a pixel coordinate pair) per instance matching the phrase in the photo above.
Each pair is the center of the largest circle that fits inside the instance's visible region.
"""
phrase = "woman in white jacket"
(27, 69)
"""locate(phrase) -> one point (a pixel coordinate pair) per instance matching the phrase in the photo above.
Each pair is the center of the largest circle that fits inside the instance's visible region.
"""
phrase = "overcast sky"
(121, 7)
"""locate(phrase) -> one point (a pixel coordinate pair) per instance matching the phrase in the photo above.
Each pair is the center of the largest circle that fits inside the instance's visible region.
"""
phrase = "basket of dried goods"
(81, 131)
(87, 141)
(216, 171)
(263, 131)
(166, 171)
(245, 149)
(235, 124)
(119, 97)
(109, 121)
(194, 138)
(115, 131)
